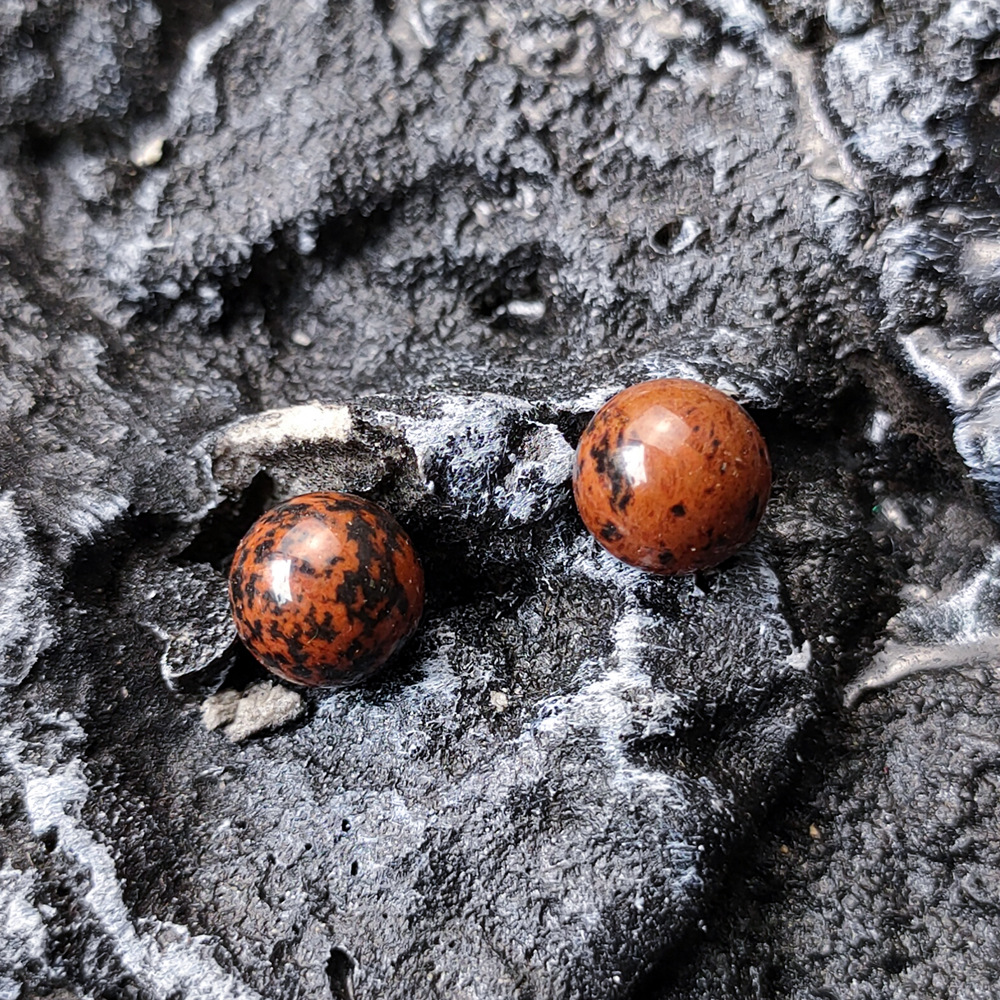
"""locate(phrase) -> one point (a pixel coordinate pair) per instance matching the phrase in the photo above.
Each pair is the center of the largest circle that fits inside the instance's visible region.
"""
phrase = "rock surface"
(406, 250)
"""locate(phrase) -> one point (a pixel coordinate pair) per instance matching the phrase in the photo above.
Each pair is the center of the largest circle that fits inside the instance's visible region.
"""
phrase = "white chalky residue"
(23, 935)
(165, 964)
(608, 706)
(25, 628)
(743, 17)
(611, 703)
(471, 434)
(899, 659)
(402, 729)
(241, 449)
(311, 423)
(966, 623)
(260, 707)
(848, 16)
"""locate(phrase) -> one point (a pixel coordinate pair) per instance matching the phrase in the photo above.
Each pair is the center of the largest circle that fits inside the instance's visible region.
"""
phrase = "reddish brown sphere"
(325, 588)
(672, 476)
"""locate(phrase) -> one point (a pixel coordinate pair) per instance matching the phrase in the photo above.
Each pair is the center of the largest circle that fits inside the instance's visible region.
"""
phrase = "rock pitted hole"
(663, 239)
(340, 971)
(515, 294)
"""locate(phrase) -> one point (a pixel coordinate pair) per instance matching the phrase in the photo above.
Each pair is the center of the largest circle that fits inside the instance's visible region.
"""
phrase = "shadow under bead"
(325, 589)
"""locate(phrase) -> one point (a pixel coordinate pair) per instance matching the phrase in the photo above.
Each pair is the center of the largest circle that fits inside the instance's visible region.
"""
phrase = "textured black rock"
(406, 250)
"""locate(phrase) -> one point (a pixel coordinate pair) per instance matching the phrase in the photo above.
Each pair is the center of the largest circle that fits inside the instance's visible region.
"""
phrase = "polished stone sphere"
(325, 588)
(672, 476)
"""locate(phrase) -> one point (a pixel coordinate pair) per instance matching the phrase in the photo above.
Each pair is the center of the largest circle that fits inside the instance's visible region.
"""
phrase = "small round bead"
(671, 476)
(325, 588)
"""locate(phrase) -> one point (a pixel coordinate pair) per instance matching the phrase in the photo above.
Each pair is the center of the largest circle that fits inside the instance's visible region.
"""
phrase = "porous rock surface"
(406, 249)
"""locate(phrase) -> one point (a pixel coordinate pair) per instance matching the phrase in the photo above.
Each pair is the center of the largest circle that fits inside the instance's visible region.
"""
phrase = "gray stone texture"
(406, 249)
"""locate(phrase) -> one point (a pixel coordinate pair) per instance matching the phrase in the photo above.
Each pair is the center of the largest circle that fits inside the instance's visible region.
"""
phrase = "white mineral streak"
(743, 385)
(591, 400)
(900, 659)
(408, 32)
(193, 106)
(471, 434)
(969, 379)
(92, 509)
(957, 372)
(271, 430)
(21, 920)
(607, 707)
(187, 651)
(194, 97)
(241, 448)
(25, 629)
(824, 153)
(165, 959)
(23, 936)
(965, 622)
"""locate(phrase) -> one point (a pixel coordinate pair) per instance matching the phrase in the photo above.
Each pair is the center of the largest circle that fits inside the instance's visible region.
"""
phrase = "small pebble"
(260, 707)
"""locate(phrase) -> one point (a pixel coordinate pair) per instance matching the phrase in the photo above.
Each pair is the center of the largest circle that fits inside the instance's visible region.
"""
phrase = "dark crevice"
(340, 971)
(223, 527)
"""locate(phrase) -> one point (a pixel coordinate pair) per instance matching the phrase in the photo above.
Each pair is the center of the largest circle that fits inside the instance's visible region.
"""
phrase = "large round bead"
(325, 588)
(672, 476)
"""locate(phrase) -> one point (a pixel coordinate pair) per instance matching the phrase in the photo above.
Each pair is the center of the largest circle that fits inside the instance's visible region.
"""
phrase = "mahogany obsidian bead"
(672, 476)
(325, 588)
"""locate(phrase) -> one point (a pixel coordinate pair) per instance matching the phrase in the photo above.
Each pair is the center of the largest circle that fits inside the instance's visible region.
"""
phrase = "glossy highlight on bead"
(672, 476)
(325, 588)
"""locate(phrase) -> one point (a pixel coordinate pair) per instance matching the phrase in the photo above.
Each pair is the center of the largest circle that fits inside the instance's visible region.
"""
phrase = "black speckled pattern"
(325, 588)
